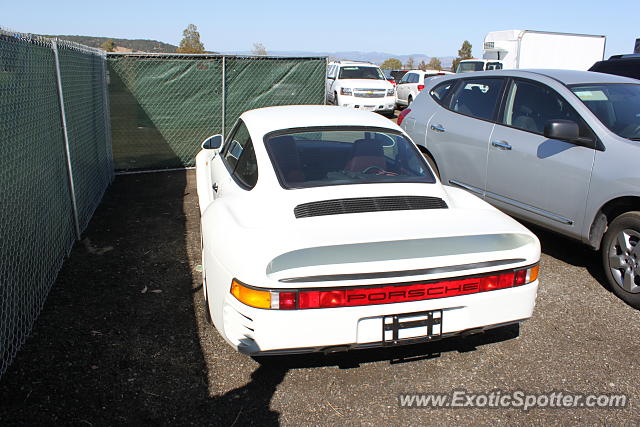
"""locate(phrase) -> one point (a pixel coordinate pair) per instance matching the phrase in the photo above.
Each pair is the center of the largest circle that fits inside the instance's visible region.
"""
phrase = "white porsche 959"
(324, 229)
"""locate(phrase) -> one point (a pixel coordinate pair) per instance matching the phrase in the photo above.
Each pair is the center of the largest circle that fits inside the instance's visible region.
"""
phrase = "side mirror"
(212, 143)
(567, 130)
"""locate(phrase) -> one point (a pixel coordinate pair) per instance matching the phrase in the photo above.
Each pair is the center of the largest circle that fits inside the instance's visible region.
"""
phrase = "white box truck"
(513, 49)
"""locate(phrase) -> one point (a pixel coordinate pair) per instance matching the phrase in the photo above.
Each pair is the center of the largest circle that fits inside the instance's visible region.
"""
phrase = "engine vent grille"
(368, 204)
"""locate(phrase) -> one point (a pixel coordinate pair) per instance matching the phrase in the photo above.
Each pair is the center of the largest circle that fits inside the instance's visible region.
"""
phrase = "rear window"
(338, 156)
(465, 67)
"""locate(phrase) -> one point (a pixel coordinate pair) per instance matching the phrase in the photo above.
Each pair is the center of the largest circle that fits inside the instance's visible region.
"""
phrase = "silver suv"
(558, 148)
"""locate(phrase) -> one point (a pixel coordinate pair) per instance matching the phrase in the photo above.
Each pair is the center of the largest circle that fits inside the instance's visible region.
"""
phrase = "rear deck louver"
(368, 204)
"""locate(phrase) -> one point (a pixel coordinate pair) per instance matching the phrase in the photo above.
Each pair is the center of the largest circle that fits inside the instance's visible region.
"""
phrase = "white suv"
(360, 85)
(412, 83)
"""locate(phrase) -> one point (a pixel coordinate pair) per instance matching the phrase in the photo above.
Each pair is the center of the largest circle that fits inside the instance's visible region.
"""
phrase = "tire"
(621, 257)
(335, 98)
(409, 100)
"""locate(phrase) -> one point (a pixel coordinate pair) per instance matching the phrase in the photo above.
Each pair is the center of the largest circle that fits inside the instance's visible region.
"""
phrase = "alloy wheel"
(624, 260)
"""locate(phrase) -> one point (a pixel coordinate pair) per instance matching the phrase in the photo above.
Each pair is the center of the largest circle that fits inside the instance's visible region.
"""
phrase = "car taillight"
(420, 87)
(402, 115)
(380, 294)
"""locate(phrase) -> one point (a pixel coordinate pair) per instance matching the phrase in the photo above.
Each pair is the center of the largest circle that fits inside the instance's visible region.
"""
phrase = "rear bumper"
(266, 332)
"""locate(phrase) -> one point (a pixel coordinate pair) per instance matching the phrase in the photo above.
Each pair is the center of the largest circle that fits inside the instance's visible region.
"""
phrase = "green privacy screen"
(164, 106)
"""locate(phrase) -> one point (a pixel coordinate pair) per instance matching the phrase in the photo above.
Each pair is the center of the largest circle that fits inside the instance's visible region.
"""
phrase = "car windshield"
(616, 105)
(358, 72)
(465, 67)
(337, 156)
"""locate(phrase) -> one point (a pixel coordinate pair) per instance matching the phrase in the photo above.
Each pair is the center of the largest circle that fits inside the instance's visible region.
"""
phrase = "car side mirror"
(212, 143)
(567, 130)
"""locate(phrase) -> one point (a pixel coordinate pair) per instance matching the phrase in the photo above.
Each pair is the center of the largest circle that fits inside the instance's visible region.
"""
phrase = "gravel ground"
(122, 340)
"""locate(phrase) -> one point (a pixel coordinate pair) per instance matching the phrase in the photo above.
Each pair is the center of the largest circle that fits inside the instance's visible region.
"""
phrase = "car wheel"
(409, 100)
(621, 257)
(335, 98)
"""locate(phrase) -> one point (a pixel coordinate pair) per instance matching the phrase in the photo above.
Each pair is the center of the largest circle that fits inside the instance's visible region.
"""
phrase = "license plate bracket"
(412, 327)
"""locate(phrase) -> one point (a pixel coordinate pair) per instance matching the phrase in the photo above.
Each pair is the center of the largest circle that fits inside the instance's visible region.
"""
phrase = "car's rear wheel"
(409, 100)
(621, 257)
(335, 98)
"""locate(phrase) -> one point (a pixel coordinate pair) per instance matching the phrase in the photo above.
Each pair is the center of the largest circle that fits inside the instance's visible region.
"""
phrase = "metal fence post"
(67, 152)
(107, 115)
(326, 77)
(224, 94)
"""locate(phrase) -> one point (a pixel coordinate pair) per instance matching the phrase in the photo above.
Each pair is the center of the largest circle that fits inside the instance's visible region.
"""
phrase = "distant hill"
(137, 45)
(375, 57)
(131, 45)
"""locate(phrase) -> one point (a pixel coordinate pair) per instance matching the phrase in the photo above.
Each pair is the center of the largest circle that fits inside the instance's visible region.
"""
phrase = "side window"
(529, 106)
(405, 78)
(414, 78)
(239, 156)
(439, 92)
(477, 97)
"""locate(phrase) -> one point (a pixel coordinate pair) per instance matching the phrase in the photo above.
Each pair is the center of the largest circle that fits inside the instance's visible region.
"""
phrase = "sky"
(402, 27)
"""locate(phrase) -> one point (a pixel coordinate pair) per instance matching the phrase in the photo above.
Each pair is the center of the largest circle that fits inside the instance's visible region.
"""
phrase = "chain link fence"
(164, 105)
(45, 84)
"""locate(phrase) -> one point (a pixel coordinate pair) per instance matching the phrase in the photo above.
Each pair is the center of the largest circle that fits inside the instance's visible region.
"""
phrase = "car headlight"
(391, 92)
(346, 91)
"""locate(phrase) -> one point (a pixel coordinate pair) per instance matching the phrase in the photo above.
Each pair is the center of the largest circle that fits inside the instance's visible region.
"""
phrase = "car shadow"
(571, 252)
(118, 340)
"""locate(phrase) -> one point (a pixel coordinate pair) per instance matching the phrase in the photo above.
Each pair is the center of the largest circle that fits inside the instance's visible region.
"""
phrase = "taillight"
(420, 87)
(402, 115)
(380, 294)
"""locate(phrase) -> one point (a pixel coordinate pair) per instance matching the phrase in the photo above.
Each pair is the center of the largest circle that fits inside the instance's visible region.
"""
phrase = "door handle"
(503, 145)
(437, 128)
(215, 187)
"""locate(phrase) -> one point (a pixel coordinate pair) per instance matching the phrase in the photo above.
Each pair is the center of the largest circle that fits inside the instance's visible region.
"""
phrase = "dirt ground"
(122, 340)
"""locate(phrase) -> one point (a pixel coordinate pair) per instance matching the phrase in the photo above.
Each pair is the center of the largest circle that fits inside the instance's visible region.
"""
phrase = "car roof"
(627, 56)
(269, 119)
(567, 77)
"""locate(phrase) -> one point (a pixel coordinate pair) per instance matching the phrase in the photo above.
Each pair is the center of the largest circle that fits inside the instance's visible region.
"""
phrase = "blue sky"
(435, 28)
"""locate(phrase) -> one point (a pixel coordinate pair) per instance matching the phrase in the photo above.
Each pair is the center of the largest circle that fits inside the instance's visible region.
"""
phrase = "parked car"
(360, 85)
(389, 77)
(398, 74)
(324, 229)
(620, 65)
(412, 83)
(557, 148)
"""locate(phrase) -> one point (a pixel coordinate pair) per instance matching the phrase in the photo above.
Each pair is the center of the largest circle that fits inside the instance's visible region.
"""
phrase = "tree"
(259, 49)
(391, 64)
(435, 64)
(422, 66)
(190, 42)
(108, 45)
(409, 65)
(463, 53)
